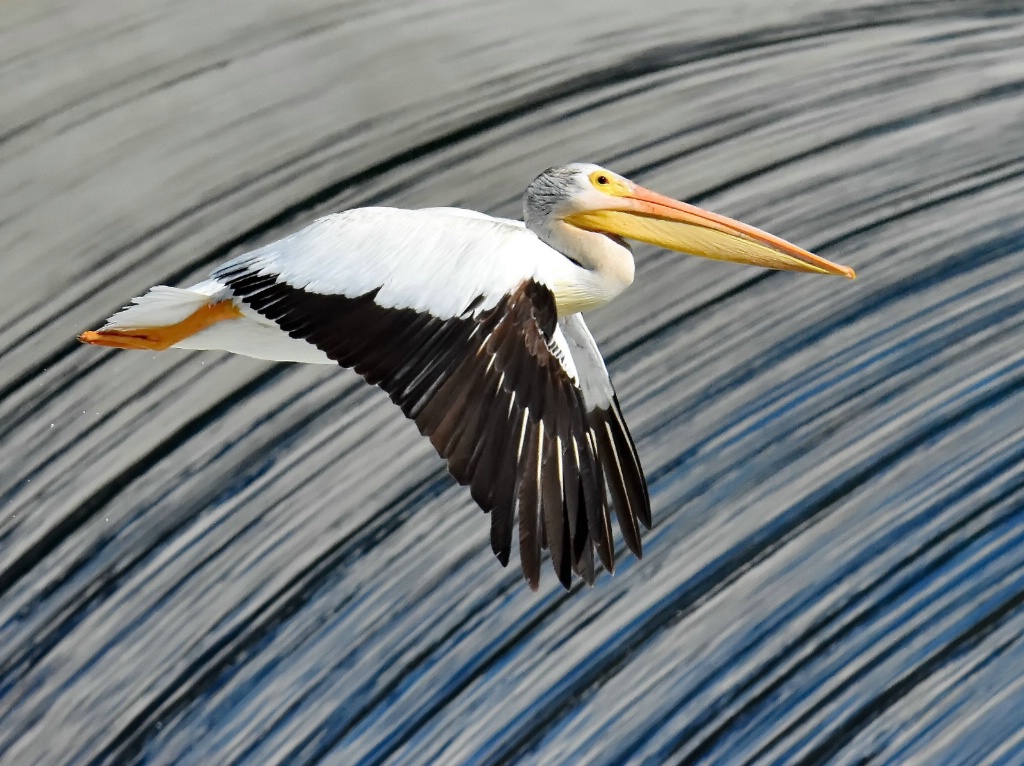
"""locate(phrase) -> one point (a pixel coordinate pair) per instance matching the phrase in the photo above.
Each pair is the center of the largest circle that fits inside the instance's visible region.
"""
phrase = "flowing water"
(207, 559)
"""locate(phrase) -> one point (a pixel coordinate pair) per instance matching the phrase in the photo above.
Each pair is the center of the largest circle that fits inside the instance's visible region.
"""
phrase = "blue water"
(208, 559)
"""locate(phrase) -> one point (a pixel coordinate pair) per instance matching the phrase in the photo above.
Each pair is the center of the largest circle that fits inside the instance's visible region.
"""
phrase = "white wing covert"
(426, 260)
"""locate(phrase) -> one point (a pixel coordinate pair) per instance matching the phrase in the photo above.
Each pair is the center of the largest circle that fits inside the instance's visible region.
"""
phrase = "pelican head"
(589, 198)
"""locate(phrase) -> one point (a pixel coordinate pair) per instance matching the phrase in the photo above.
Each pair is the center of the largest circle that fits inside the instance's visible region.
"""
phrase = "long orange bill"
(647, 216)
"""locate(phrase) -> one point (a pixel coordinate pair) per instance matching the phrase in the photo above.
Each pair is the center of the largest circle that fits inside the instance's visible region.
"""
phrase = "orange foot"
(161, 338)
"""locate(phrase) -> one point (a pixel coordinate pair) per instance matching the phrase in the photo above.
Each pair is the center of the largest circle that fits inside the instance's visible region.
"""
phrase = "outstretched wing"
(517, 403)
(615, 447)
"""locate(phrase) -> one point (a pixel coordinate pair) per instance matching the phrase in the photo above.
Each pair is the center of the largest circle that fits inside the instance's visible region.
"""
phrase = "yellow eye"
(607, 183)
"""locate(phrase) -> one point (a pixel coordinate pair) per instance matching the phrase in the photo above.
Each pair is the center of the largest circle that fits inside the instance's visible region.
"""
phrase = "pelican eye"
(606, 183)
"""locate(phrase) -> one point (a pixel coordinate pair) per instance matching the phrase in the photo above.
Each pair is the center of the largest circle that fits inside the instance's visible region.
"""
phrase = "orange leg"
(161, 338)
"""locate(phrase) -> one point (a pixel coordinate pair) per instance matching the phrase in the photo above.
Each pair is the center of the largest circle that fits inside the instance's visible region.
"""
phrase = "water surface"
(209, 559)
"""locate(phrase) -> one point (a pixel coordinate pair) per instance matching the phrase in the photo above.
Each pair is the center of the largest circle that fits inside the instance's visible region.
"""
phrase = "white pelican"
(472, 326)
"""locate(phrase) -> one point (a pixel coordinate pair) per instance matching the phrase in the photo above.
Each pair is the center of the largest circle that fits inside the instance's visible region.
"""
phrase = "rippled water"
(207, 559)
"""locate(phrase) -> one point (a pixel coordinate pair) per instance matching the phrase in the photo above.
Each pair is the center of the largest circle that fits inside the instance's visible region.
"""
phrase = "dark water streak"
(225, 561)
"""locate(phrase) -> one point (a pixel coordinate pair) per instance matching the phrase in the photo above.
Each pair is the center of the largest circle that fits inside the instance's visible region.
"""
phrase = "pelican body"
(472, 325)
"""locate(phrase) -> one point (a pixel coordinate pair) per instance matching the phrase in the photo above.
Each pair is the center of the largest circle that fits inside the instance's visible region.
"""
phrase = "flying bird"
(472, 325)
